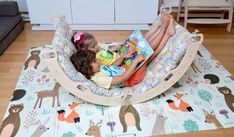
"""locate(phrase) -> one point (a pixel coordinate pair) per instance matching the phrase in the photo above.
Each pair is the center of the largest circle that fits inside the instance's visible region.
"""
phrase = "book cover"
(137, 42)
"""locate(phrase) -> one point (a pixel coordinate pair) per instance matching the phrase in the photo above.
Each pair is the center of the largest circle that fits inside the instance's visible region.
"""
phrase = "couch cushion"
(7, 24)
(9, 8)
(5, 43)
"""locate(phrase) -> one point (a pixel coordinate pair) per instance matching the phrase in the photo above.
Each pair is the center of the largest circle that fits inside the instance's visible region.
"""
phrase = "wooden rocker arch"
(80, 90)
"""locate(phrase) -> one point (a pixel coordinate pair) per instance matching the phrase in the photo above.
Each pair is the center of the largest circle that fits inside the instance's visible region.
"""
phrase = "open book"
(139, 44)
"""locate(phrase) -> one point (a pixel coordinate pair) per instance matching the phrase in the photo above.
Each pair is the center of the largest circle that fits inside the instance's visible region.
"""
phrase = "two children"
(89, 58)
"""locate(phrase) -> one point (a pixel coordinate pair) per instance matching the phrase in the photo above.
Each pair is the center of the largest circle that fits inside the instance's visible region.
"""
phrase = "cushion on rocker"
(167, 60)
(62, 37)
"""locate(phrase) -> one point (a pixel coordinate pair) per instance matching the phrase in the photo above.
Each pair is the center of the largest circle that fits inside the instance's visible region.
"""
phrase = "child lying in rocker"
(112, 76)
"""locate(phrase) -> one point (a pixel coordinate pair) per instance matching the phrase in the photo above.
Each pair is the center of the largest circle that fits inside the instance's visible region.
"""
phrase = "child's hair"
(83, 41)
(82, 61)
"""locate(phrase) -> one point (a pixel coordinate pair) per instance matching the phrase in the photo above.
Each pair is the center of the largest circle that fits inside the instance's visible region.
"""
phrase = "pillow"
(62, 38)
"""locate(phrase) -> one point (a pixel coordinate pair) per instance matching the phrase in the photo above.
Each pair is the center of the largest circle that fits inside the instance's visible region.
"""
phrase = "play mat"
(202, 99)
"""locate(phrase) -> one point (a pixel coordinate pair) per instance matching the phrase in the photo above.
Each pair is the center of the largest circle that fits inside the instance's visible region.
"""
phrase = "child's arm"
(114, 48)
(128, 73)
(120, 60)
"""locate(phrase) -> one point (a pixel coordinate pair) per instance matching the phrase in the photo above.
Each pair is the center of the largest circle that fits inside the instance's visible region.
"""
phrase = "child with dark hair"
(157, 37)
(105, 76)
(85, 61)
(211, 79)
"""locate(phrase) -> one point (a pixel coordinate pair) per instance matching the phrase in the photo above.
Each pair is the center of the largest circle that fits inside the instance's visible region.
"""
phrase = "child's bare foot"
(171, 28)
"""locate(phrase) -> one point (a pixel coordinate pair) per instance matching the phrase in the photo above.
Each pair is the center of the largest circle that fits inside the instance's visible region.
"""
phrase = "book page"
(137, 42)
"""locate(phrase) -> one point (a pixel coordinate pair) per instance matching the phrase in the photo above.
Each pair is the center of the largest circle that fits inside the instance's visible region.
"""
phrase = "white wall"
(173, 3)
(22, 5)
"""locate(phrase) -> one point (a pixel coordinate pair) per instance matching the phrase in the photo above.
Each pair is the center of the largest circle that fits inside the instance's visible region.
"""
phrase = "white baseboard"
(25, 17)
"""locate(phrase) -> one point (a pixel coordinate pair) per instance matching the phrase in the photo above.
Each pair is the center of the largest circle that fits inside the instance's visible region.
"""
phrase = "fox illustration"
(73, 117)
(183, 106)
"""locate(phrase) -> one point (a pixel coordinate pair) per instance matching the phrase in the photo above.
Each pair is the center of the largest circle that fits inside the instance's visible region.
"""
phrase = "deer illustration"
(159, 123)
(48, 93)
(183, 106)
(211, 118)
(40, 129)
(94, 129)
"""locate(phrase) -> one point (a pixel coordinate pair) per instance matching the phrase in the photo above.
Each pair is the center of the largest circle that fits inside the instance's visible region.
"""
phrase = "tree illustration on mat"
(205, 95)
(146, 110)
(69, 134)
(31, 120)
(190, 125)
(28, 77)
(101, 108)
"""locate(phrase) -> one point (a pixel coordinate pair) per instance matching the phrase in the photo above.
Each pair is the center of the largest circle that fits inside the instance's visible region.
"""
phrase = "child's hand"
(129, 54)
(140, 58)
(114, 48)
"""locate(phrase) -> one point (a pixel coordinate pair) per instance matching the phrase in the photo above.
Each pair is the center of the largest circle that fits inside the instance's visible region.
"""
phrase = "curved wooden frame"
(165, 8)
(78, 89)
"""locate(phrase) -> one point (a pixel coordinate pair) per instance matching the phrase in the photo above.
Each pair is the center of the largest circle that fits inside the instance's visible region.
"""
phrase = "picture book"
(137, 42)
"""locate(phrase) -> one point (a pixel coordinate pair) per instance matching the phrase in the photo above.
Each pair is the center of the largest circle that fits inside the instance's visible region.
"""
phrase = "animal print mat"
(201, 100)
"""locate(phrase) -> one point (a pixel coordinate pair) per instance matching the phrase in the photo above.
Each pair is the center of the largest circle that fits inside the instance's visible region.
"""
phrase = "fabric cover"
(62, 38)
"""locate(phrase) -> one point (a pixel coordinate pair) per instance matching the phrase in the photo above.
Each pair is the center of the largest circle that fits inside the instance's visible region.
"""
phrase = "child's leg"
(155, 40)
(154, 30)
(155, 27)
(139, 75)
(169, 32)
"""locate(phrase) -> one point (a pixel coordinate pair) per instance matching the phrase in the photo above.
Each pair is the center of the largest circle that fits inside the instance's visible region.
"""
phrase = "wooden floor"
(219, 42)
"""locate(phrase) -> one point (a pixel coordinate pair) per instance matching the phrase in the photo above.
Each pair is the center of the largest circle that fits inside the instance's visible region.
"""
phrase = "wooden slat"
(208, 3)
(208, 21)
